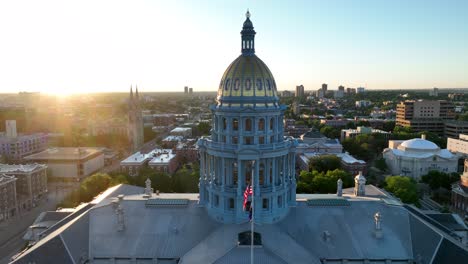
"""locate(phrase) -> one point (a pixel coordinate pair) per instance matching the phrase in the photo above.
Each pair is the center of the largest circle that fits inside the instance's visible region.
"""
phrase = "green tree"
(402, 187)
(436, 179)
(324, 163)
(203, 128)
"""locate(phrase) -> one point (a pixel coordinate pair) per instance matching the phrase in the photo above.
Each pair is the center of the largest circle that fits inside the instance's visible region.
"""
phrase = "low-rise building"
(363, 103)
(328, 146)
(68, 162)
(458, 145)
(170, 142)
(164, 161)
(418, 156)
(348, 162)
(181, 131)
(161, 159)
(352, 133)
(335, 122)
(8, 204)
(31, 184)
(16, 146)
(187, 152)
(453, 128)
(459, 200)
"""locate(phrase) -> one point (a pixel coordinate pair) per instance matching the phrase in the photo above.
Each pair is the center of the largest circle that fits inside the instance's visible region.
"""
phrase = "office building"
(300, 90)
(424, 115)
(454, 128)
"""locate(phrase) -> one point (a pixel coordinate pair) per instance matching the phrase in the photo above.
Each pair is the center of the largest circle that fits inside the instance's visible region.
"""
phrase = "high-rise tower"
(247, 144)
(135, 121)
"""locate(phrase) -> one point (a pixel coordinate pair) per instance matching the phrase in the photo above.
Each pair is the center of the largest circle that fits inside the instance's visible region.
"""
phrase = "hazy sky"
(82, 46)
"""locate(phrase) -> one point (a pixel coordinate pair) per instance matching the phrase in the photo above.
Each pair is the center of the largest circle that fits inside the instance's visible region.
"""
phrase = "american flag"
(248, 191)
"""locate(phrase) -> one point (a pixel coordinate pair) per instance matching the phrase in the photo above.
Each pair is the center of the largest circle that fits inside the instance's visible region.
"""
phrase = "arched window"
(224, 123)
(272, 123)
(261, 124)
(235, 124)
(248, 124)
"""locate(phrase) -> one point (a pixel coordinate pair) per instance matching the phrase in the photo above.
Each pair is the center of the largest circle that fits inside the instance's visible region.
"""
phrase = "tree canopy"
(402, 187)
(324, 163)
(322, 182)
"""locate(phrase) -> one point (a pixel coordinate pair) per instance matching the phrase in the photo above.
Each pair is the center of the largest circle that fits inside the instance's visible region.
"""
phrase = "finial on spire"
(247, 15)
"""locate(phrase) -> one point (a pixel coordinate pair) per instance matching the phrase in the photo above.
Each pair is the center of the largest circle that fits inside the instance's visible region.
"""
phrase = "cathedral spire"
(136, 92)
(248, 37)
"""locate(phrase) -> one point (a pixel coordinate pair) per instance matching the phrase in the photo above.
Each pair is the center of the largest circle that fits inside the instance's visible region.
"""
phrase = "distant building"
(324, 88)
(352, 133)
(185, 89)
(31, 184)
(340, 92)
(9, 207)
(135, 121)
(348, 162)
(164, 161)
(170, 142)
(325, 146)
(454, 128)
(416, 157)
(160, 159)
(300, 90)
(185, 132)
(360, 90)
(363, 103)
(70, 162)
(335, 122)
(458, 145)
(186, 153)
(190, 90)
(434, 92)
(319, 93)
(456, 96)
(113, 126)
(424, 115)
(286, 94)
(16, 146)
(350, 91)
(459, 200)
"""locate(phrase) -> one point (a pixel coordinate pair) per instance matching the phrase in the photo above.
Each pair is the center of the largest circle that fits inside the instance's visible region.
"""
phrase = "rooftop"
(22, 168)
(64, 153)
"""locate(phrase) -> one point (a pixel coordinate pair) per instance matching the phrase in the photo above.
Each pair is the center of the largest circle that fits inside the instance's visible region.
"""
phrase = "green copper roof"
(247, 80)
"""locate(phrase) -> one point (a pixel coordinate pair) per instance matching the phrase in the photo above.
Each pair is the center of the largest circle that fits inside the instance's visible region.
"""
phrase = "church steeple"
(248, 37)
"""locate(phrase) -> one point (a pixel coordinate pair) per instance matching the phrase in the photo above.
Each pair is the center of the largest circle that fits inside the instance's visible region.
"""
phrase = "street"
(12, 231)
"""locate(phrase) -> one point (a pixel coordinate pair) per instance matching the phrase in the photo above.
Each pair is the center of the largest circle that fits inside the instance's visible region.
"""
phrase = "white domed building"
(418, 156)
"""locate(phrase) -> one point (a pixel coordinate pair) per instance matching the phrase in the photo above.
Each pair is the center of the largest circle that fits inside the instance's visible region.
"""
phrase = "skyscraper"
(300, 90)
(135, 121)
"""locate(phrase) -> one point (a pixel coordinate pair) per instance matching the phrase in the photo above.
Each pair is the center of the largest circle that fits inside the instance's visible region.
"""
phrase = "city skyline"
(59, 48)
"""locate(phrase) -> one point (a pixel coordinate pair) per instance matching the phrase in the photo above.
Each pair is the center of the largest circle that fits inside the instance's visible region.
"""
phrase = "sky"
(64, 47)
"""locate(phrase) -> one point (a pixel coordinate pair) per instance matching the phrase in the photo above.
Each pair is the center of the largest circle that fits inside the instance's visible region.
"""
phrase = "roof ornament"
(360, 185)
(119, 211)
(377, 223)
(148, 189)
(247, 15)
(339, 188)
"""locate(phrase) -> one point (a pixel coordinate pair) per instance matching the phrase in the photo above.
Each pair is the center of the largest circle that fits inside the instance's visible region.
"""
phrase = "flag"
(248, 191)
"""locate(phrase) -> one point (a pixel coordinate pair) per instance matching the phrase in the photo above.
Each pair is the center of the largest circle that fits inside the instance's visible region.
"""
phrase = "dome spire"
(248, 37)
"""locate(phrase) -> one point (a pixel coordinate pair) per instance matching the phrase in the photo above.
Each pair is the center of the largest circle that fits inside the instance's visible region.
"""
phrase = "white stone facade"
(416, 157)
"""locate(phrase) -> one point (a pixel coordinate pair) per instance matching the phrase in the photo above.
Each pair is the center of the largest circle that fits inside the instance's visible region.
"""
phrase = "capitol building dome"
(247, 148)
(247, 81)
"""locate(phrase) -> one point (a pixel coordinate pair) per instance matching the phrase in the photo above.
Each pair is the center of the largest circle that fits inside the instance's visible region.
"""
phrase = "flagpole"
(253, 215)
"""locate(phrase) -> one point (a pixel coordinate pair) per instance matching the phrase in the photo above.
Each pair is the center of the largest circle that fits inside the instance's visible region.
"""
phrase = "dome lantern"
(248, 37)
